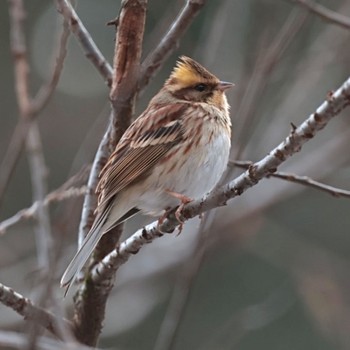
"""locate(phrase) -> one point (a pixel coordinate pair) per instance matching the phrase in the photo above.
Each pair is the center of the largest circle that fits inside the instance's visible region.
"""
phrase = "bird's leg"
(162, 218)
(184, 200)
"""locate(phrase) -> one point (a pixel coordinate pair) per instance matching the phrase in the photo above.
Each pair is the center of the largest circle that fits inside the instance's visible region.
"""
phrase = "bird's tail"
(89, 244)
(108, 218)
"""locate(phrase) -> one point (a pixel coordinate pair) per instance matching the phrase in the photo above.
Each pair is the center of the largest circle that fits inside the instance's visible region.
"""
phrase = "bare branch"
(38, 172)
(31, 212)
(24, 307)
(126, 68)
(325, 13)
(65, 191)
(168, 44)
(19, 52)
(90, 200)
(29, 107)
(257, 171)
(45, 92)
(92, 52)
(90, 303)
(302, 180)
(16, 340)
(307, 181)
(248, 106)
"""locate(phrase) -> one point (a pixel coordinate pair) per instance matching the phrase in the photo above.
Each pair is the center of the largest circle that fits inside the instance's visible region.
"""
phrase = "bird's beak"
(224, 85)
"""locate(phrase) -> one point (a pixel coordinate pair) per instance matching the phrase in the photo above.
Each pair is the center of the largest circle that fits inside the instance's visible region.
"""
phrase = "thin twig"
(302, 180)
(31, 212)
(92, 52)
(257, 171)
(307, 181)
(24, 307)
(325, 13)
(265, 65)
(66, 191)
(169, 42)
(38, 172)
(47, 89)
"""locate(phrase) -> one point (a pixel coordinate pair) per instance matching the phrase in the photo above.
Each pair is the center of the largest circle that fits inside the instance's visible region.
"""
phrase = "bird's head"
(190, 81)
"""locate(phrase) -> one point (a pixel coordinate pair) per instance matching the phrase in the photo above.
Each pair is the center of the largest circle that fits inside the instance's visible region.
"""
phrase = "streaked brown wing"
(146, 141)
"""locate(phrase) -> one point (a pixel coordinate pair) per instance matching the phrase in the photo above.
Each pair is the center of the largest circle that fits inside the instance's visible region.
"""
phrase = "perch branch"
(333, 105)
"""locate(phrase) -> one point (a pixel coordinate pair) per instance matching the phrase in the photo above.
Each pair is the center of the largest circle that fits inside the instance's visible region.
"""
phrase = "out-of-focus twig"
(183, 285)
(92, 52)
(31, 212)
(302, 180)
(325, 13)
(16, 340)
(154, 60)
(24, 307)
(257, 171)
(38, 171)
(33, 106)
(47, 89)
(265, 65)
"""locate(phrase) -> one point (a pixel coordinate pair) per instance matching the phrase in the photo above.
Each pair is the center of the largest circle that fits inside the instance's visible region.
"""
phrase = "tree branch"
(91, 299)
(257, 171)
(24, 307)
(169, 42)
(302, 180)
(92, 52)
(14, 340)
(325, 13)
(31, 212)
(34, 106)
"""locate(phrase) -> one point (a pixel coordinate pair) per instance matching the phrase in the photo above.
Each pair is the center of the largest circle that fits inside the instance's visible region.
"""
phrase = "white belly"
(197, 175)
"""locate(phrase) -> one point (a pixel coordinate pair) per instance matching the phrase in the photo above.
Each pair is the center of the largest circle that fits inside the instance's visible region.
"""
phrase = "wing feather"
(146, 141)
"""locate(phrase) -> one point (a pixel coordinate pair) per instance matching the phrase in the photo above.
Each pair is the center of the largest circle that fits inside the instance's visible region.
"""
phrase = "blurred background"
(268, 271)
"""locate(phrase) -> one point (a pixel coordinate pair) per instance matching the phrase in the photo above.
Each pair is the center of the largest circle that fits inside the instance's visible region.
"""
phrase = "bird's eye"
(200, 87)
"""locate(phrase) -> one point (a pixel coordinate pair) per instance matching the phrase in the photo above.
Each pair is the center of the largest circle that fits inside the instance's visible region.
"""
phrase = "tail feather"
(84, 252)
(110, 217)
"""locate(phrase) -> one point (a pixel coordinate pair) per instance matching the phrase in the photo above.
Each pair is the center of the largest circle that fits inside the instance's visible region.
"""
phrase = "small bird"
(174, 152)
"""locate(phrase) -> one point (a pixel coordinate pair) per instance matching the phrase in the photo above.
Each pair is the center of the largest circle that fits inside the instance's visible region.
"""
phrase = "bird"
(174, 152)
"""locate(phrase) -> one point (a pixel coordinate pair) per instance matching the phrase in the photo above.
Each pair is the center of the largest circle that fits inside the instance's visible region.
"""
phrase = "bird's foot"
(178, 213)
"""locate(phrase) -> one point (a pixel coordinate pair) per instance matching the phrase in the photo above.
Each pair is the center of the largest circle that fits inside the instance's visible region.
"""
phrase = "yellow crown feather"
(188, 72)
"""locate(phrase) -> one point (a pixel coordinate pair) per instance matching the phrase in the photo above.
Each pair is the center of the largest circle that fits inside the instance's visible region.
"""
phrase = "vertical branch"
(91, 301)
(34, 148)
(126, 65)
(29, 107)
(35, 156)
(19, 52)
(44, 241)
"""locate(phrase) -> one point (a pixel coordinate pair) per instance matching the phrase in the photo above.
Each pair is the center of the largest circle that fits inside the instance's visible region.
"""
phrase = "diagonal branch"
(92, 52)
(302, 180)
(325, 13)
(24, 307)
(256, 172)
(169, 42)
